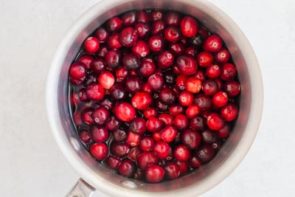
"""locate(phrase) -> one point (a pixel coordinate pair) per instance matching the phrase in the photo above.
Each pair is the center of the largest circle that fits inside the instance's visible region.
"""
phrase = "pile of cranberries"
(153, 94)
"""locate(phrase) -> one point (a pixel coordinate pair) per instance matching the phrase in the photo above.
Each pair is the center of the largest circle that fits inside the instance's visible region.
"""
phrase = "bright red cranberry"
(215, 122)
(154, 174)
(167, 96)
(133, 84)
(113, 162)
(185, 98)
(229, 112)
(203, 102)
(197, 123)
(87, 117)
(100, 115)
(106, 79)
(172, 34)
(130, 61)
(213, 43)
(124, 112)
(205, 59)
(228, 72)
(129, 18)
(128, 36)
(133, 139)
(165, 59)
(119, 149)
(168, 134)
(191, 138)
(177, 48)
(180, 121)
(99, 134)
(156, 43)
(126, 168)
(141, 100)
(77, 71)
(186, 65)
(213, 71)
(114, 41)
(121, 74)
(138, 126)
(91, 45)
(172, 18)
(150, 112)
(114, 24)
(182, 153)
(156, 81)
(209, 87)
(232, 88)
(154, 124)
(146, 159)
(147, 67)
(99, 151)
(189, 27)
(162, 150)
(192, 111)
(101, 34)
(224, 132)
(141, 49)
(195, 162)
(206, 153)
(147, 144)
(86, 60)
(85, 136)
(193, 85)
(95, 92)
(143, 29)
(172, 170)
(98, 65)
(119, 135)
(112, 58)
(176, 109)
(158, 27)
(220, 99)
(222, 56)
(209, 137)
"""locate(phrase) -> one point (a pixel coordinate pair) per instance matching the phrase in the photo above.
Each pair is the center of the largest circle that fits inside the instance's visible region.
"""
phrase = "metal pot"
(231, 154)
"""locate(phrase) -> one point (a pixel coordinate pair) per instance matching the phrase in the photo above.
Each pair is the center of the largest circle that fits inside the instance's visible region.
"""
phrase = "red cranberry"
(95, 92)
(209, 137)
(203, 102)
(129, 18)
(204, 59)
(162, 150)
(87, 117)
(99, 134)
(142, 29)
(182, 153)
(156, 81)
(98, 65)
(215, 122)
(220, 99)
(181, 81)
(189, 27)
(113, 162)
(114, 41)
(228, 72)
(147, 144)
(156, 43)
(176, 109)
(168, 134)
(147, 88)
(146, 159)
(229, 112)
(130, 61)
(118, 92)
(77, 118)
(213, 43)
(158, 27)
(138, 125)
(166, 118)
(195, 162)
(206, 153)
(133, 139)
(106, 79)
(112, 124)
(121, 74)
(102, 51)
(185, 98)
(141, 100)
(119, 149)
(172, 170)
(150, 112)
(167, 96)
(106, 103)
(172, 34)
(86, 60)
(191, 139)
(165, 59)
(180, 121)
(100, 115)
(213, 71)
(183, 167)
(200, 75)
(190, 51)
(197, 123)
(133, 84)
(193, 85)
(99, 151)
(91, 45)
(224, 132)
(85, 136)
(154, 174)
(156, 15)
(186, 65)
(209, 87)
(177, 48)
(77, 71)
(154, 124)
(133, 153)
(232, 88)
(126, 168)
(119, 135)
(172, 18)
(101, 34)
(128, 36)
(141, 49)
(147, 67)
(124, 112)
(222, 56)
(142, 16)
(192, 111)
(112, 58)
(114, 24)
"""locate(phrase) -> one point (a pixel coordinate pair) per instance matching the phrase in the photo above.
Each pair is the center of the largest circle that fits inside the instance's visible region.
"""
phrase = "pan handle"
(81, 189)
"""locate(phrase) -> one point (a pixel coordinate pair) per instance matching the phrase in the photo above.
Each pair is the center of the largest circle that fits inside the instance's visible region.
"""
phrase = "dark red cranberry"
(147, 67)
(232, 88)
(209, 87)
(229, 112)
(101, 34)
(172, 18)
(113, 162)
(129, 18)
(220, 99)
(158, 27)
(150, 112)
(183, 167)
(197, 123)
(167, 96)
(112, 59)
(121, 74)
(215, 122)
(114, 24)
(119, 135)
(147, 144)
(180, 121)
(112, 124)
(156, 43)
(180, 82)
(99, 134)
(77, 71)
(99, 151)
(95, 92)
(98, 65)
(128, 37)
(91, 45)
(200, 75)
(189, 27)
(142, 16)
(100, 115)
(195, 162)
(228, 72)
(213, 43)
(176, 109)
(87, 117)
(126, 168)
(209, 137)
(138, 125)
(166, 118)
(206, 153)
(86, 60)
(106, 79)
(133, 153)
(172, 34)
(191, 138)
(222, 56)
(133, 139)
(190, 51)
(107, 103)
(186, 65)
(182, 153)
(161, 106)
(172, 170)
(143, 29)
(154, 124)
(124, 112)
(192, 111)
(224, 132)
(213, 71)
(133, 84)
(165, 59)
(185, 98)
(168, 134)
(130, 61)
(156, 81)
(118, 92)
(114, 41)
(119, 149)
(205, 59)
(85, 136)
(203, 102)
(177, 48)
(193, 85)
(156, 15)
(102, 51)
(146, 159)
(154, 174)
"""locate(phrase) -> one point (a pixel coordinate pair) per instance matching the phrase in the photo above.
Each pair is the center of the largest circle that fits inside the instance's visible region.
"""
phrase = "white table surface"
(31, 163)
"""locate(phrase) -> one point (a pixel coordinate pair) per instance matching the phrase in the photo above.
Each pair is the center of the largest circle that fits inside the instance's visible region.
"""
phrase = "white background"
(31, 163)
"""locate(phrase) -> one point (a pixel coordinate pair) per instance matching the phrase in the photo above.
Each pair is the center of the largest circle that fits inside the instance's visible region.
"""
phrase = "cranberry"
(91, 45)
(141, 49)
(154, 124)
(205, 59)
(133, 139)
(190, 138)
(86, 60)
(121, 74)
(158, 27)
(106, 79)
(128, 36)
(228, 72)
(154, 174)
(215, 122)
(124, 112)
(99, 134)
(85, 136)
(113, 162)
(203, 102)
(177, 48)
(209, 137)
(138, 125)
(172, 34)
(114, 41)
(229, 112)
(87, 117)
(112, 58)
(182, 153)
(222, 56)
(193, 85)
(147, 144)
(141, 100)
(192, 111)
(232, 88)
(119, 135)
(106, 103)
(129, 18)
(181, 81)
(95, 92)
(165, 59)
(101, 34)
(209, 87)
(147, 88)
(156, 43)
(119, 149)
(180, 121)
(114, 24)
(190, 51)
(213, 43)
(142, 29)
(147, 67)
(185, 98)
(150, 112)
(200, 75)
(102, 51)
(213, 71)
(142, 16)
(220, 99)
(112, 124)
(224, 132)
(186, 65)
(172, 18)
(195, 162)
(167, 96)
(162, 150)
(166, 118)
(98, 65)
(133, 153)
(156, 81)
(99, 151)
(156, 15)
(146, 159)
(189, 27)
(206, 153)
(130, 61)
(168, 134)
(100, 115)
(172, 170)
(197, 123)
(183, 167)
(133, 84)
(118, 92)
(77, 71)
(126, 168)
(176, 109)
